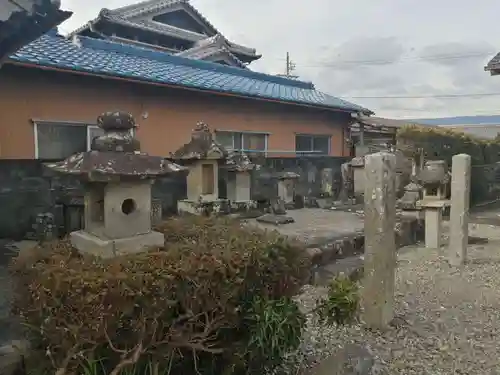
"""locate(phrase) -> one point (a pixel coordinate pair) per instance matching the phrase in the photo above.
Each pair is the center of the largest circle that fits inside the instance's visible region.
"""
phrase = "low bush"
(341, 304)
(215, 300)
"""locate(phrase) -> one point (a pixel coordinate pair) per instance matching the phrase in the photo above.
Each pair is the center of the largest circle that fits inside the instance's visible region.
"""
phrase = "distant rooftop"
(459, 120)
(479, 126)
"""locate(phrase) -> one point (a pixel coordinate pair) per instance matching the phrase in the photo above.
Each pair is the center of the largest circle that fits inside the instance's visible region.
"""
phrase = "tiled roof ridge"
(114, 46)
(218, 41)
(143, 7)
(201, 53)
(153, 5)
(494, 63)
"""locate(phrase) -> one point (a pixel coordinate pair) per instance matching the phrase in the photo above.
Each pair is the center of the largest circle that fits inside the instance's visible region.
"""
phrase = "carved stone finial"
(116, 121)
(202, 133)
(118, 135)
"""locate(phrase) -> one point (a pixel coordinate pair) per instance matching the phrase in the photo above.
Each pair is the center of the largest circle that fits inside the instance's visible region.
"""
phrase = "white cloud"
(393, 38)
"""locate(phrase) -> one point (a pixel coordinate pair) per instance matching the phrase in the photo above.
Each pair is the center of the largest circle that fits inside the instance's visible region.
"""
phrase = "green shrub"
(440, 143)
(196, 305)
(276, 328)
(341, 304)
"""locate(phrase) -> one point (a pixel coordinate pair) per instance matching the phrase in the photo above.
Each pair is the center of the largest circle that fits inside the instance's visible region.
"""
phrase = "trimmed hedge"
(442, 143)
(215, 300)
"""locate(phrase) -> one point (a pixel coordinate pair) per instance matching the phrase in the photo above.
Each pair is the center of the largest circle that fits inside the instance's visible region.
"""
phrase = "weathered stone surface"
(412, 194)
(351, 360)
(324, 203)
(347, 190)
(278, 206)
(115, 155)
(327, 182)
(109, 248)
(11, 358)
(459, 214)
(201, 146)
(275, 219)
(433, 211)
(380, 244)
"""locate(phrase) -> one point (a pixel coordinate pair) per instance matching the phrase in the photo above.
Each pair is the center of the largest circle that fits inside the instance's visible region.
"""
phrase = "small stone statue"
(278, 206)
(45, 227)
(347, 190)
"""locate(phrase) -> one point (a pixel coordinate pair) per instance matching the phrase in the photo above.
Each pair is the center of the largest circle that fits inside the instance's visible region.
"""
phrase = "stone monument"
(380, 244)
(346, 195)
(202, 155)
(239, 168)
(118, 179)
(459, 215)
(286, 187)
(358, 175)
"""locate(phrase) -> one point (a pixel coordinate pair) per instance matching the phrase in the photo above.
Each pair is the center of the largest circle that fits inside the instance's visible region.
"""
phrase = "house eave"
(22, 25)
(208, 91)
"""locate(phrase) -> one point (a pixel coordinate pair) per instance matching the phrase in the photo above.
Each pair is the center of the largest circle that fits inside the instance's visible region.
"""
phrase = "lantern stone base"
(87, 243)
(243, 205)
(192, 207)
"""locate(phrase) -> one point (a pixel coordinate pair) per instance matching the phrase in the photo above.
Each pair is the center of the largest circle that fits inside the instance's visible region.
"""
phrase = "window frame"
(311, 151)
(89, 126)
(241, 134)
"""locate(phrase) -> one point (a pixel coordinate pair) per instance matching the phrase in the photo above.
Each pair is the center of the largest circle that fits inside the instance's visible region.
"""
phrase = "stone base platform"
(106, 248)
(333, 235)
(190, 207)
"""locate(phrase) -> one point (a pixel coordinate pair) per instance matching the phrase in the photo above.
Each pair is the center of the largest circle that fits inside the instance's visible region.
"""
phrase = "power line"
(434, 111)
(427, 58)
(443, 96)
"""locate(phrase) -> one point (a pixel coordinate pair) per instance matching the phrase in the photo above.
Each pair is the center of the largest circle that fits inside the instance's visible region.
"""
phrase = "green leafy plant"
(275, 328)
(341, 304)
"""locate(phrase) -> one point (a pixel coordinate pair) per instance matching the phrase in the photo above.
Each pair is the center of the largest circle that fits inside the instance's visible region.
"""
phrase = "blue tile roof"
(114, 59)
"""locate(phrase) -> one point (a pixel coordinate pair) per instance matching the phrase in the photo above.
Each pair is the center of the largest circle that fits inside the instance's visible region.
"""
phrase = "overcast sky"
(364, 48)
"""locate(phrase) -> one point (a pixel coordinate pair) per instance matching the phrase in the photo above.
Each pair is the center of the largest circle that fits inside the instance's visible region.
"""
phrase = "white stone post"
(285, 190)
(380, 244)
(459, 214)
(433, 211)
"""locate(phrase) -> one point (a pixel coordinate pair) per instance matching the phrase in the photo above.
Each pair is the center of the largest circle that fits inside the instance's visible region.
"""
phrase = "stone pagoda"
(118, 179)
(202, 156)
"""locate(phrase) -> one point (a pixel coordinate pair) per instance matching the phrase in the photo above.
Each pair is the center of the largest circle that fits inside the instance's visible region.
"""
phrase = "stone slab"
(315, 226)
(437, 204)
(275, 219)
(90, 244)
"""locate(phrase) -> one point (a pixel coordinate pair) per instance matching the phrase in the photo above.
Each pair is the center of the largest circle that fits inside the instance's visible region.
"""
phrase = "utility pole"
(290, 67)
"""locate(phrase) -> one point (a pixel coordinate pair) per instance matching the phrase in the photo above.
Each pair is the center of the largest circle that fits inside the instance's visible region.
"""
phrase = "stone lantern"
(435, 179)
(239, 168)
(202, 156)
(118, 179)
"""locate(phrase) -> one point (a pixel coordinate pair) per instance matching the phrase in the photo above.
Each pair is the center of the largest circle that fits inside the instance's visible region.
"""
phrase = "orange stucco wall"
(165, 115)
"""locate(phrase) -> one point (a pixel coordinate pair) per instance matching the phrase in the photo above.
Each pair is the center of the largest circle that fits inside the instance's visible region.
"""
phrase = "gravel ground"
(447, 320)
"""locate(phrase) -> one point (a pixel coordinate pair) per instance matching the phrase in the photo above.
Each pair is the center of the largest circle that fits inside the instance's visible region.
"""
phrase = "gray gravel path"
(448, 320)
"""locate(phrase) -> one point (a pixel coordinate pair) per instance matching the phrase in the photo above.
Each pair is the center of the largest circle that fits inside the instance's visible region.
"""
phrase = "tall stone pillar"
(380, 244)
(459, 214)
